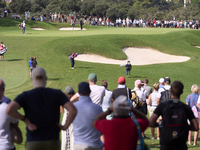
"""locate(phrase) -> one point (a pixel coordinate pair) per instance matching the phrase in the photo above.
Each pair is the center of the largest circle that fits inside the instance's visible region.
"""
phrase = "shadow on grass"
(137, 77)
(53, 79)
(84, 67)
(14, 60)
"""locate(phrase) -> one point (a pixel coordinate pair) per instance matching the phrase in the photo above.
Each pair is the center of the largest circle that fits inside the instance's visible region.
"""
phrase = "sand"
(37, 28)
(137, 56)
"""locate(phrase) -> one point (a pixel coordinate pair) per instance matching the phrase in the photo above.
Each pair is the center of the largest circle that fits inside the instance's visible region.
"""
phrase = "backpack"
(165, 95)
(135, 99)
(194, 109)
(174, 127)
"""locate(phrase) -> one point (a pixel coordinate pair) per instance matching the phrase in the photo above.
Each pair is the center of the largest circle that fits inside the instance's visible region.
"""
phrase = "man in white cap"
(120, 132)
(161, 81)
(163, 93)
(42, 113)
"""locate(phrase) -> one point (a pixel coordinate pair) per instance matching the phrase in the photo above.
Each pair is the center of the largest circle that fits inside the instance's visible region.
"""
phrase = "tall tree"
(20, 6)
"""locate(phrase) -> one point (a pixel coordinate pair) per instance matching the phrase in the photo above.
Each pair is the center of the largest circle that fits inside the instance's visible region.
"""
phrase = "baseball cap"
(39, 77)
(138, 82)
(121, 80)
(92, 77)
(84, 88)
(167, 80)
(121, 105)
(69, 90)
(161, 80)
(34, 57)
(77, 53)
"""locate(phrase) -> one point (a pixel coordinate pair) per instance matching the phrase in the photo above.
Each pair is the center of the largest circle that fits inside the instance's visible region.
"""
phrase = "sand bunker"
(137, 56)
(70, 28)
(37, 28)
(197, 46)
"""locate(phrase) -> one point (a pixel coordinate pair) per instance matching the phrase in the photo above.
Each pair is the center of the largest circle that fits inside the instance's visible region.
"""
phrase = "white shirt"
(107, 99)
(154, 98)
(97, 94)
(5, 135)
(140, 94)
(24, 24)
(145, 92)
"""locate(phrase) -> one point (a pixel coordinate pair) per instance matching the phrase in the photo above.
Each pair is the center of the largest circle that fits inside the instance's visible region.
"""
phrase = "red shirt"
(120, 133)
(1, 47)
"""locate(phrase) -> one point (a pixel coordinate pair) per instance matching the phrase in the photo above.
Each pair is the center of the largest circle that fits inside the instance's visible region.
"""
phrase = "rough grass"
(52, 47)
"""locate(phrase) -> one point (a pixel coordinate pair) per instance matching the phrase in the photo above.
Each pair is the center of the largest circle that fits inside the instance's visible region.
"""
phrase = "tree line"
(147, 9)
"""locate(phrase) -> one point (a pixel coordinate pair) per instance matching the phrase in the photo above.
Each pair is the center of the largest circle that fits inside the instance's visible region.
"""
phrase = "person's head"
(138, 83)
(35, 58)
(142, 84)
(121, 106)
(39, 77)
(77, 53)
(161, 81)
(156, 86)
(92, 78)
(1, 42)
(146, 81)
(31, 58)
(167, 81)
(104, 83)
(128, 62)
(84, 89)
(2, 87)
(69, 91)
(176, 89)
(121, 80)
(195, 88)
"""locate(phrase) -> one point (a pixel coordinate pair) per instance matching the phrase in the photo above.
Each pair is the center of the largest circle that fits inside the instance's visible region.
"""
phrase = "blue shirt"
(161, 86)
(30, 65)
(84, 132)
(192, 100)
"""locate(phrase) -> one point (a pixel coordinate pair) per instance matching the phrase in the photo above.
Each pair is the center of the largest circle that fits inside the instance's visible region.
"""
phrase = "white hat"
(39, 77)
(161, 80)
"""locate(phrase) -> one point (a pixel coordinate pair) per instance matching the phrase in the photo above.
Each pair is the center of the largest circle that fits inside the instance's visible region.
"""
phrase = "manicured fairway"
(52, 47)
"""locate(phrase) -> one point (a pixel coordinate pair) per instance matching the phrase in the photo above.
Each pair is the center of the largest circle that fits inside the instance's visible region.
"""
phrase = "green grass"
(52, 47)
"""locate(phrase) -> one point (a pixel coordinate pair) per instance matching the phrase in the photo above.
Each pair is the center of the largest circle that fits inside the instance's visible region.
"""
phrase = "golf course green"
(52, 48)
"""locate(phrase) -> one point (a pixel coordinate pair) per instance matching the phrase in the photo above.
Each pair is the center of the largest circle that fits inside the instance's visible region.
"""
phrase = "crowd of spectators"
(144, 23)
(97, 118)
